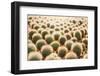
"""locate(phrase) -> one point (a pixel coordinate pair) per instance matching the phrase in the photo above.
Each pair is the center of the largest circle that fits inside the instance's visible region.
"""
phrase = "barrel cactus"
(55, 45)
(62, 50)
(46, 50)
(40, 43)
(52, 26)
(36, 37)
(71, 55)
(36, 27)
(31, 32)
(68, 44)
(85, 41)
(62, 40)
(49, 38)
(31, 47)
(77, 48)
(78, 35)
(34, 56)
(44, 33)
(68, 36)
(56, 35)
(52, 56)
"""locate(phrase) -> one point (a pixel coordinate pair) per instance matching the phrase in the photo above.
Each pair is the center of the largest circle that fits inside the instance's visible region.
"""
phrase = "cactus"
(77, 48)
(62, 50)
(56, 35)
(31, 47)
(34, 56)
(40, 43)
(78, 35)
(52, 26)
(51, 31)
(49, 39)
(52, 56)
(44, 32)
(71, 55)
(43, 26)
(83, 33)
(40, 30)
(36, 27)
(68, 36)
(29, 41)
(31, 32)
(68, 44)
(62, 40)
(66, 30)
(46, 50)
(36, 37)
(57, 29)
(55, 45)
(85, 41)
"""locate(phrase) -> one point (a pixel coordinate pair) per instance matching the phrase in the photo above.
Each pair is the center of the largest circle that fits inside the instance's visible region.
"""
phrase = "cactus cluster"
(57, 37)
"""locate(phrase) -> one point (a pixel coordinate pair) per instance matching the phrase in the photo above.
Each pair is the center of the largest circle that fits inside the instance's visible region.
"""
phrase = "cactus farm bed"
(57, 37)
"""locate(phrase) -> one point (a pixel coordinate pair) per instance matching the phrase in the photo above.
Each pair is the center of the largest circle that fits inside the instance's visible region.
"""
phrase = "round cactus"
(71, 55)
(36, 37)
(34, 56)
(66, 30)
(51, 31)
(52, 56)
(31, 32)
(43, 26)
(57, 29)
(78, 35)
(29, 41)
(56, 35)
(44, 32)
(74, 39)
(40, 30)
(36, 27)
(62, 40)
(68, 44)
(46, 50)
(52, 26)
(62, 50)
(68, 36)
(83, 33)
(85, 41)
(55, 45)
(31, 47)
(77, 48)
(49, 39)
(40, 43)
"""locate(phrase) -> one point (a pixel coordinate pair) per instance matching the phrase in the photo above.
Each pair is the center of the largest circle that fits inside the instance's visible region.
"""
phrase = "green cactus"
(40, 43)
(40, 30)
(44, 32)
(77, 48)
(36, 37)
(55, 45)
(46, 50)
(49, 38)
(62, 50)
(71, 55)
(36, 27)
(62, 40)
(56, 35)
(52, 56)
(43, 26)
(34, 56)
(31, 32)
(68, 36)
(52, 26)
(78, 35)
(85, 41)
(51, 31)
(31, 47)
(68, 44)
(66, 30)
(57, 29)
